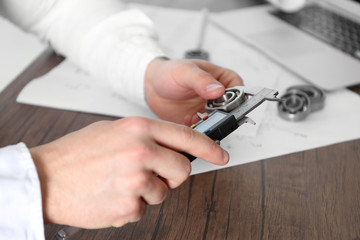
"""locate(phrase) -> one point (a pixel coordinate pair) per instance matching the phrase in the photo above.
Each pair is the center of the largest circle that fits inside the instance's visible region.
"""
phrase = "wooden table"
(308, 195)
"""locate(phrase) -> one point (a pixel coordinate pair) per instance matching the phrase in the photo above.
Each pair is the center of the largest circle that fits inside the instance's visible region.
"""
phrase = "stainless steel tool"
(225, 114)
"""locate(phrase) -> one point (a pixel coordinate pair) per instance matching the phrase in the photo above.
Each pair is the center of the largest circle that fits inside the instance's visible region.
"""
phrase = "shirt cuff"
(20, 198)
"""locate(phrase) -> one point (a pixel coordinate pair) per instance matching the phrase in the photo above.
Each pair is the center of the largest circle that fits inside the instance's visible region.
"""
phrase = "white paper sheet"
(67, 87)
(17, 50)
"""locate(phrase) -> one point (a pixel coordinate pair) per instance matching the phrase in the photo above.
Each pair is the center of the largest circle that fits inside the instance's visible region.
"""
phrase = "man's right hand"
(105, 174)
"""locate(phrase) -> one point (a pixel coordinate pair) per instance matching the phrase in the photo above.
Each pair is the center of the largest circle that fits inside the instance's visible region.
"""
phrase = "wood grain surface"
(308, 195)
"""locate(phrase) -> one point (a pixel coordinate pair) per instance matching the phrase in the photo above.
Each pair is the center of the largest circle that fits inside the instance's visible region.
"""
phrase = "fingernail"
(225, 156)
(212, 87)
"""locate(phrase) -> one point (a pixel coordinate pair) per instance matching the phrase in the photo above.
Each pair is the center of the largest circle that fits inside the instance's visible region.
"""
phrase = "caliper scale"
(225, 114)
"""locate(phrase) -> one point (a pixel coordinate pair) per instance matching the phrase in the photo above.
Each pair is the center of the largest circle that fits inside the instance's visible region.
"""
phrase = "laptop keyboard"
(328, 26)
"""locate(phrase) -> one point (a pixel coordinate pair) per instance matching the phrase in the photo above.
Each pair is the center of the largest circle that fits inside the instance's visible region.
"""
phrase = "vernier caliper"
(227, 113)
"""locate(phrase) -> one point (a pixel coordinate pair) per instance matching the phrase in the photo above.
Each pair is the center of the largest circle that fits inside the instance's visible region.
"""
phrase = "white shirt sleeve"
(20, 197)
(102, 37)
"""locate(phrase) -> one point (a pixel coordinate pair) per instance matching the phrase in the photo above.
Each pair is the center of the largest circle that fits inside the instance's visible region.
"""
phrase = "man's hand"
(177, 89)
(105, 174)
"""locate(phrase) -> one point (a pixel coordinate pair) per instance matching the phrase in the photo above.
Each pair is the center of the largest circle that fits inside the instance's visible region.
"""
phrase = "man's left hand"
(176, 90)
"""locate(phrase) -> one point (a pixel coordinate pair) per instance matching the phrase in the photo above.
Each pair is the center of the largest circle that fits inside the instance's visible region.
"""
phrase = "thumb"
(203, 83)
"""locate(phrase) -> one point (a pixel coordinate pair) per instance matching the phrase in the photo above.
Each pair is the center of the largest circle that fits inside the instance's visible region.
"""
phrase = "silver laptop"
(320, 43)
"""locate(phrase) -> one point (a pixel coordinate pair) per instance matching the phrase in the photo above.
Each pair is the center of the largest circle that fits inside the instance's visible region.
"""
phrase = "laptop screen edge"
(351, 6)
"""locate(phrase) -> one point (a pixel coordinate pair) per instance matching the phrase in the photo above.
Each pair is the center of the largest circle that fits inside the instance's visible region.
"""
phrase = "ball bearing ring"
(299, 101)
(232, 98)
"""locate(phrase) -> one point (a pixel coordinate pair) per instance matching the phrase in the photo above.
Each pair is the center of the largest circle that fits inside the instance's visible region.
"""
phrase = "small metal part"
(232, 99)
(197, 54)
(299, 101)
(61, 235)
(67, 233)
(202, 115)
(259, 96)
(246, 120)
(295, 106)
(317, 96)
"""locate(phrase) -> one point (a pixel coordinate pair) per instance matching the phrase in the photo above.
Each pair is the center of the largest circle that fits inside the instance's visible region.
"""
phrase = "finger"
(195, 118)
(173, 167)
(185, 139)
(157, 192)
(201, 82)
(144, 184)
(160, 160)
(129, 209)
(225, 76)
(190, 119)
(155, 159)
